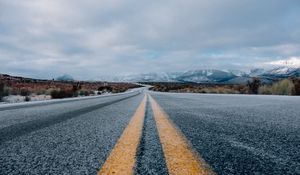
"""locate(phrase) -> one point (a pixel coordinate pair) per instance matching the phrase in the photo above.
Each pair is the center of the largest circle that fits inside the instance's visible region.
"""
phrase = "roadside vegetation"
(4, 91)
(27, 89)
(280, 87)
(283, 87)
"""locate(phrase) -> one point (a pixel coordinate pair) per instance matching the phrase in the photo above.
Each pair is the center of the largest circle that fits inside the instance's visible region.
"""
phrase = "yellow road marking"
(180, 158)
(122, 158)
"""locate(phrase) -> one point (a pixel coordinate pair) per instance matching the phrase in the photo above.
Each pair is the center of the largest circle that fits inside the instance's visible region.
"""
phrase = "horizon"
(47, 39)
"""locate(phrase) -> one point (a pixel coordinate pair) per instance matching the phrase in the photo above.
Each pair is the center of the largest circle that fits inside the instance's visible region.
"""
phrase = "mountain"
(207, 75)
(216, 76)
(149, 77)
(293, 62)
(284, 68)
(279, 69)
(283, 71)
(194, 76)
(238, 73)
(256, 72)
(65, 77)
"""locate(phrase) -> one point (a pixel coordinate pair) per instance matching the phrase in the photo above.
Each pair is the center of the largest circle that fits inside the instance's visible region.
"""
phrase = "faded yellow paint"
(121, 160)
(180, 158)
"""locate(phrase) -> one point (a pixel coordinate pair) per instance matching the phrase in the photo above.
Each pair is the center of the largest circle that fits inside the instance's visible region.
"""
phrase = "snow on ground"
(19, 98)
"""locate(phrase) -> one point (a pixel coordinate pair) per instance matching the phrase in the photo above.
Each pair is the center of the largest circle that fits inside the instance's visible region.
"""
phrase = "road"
(143, 132)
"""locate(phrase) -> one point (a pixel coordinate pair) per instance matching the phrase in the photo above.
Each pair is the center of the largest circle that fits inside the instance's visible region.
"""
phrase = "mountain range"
(209, 76)
(214, 76)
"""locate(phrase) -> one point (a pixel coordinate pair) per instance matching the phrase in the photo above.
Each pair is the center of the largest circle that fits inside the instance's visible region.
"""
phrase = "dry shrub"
(25, 92)
(57, 94)
(265, 89)
(84, 92)
(4, 91)
(283, 87)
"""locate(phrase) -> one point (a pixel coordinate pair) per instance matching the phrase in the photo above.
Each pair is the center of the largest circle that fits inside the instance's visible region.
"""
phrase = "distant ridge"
(209, 76)
(216, 76)
(65, 77)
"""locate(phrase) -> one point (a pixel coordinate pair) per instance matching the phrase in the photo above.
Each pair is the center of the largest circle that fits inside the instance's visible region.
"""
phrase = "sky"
(89, 39)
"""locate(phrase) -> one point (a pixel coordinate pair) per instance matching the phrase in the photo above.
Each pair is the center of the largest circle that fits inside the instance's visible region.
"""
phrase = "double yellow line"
(179, 155)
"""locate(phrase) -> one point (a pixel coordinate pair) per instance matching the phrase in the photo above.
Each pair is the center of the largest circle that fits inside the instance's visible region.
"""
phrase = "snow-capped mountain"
(279, 69)
(283, 70)
(238, 73)
(214, 76)
(206, 75)
(149, 77)
(195, 76)
(293, 62)
(256, 72)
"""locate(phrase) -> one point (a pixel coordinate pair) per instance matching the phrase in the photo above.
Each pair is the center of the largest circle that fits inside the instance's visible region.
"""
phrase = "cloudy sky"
(93, 38)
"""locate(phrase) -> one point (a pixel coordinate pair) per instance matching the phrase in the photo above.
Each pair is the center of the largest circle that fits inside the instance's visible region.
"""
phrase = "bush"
(283, 87)
(105, 88)
(75, 89)
(4, 91)
(57, 94)
(241, 89)
(41, 92)
(25, 92)
(83, 92)
(1, 91)
(75, 94)
(267, 90)
(27, 98)
(49, 91)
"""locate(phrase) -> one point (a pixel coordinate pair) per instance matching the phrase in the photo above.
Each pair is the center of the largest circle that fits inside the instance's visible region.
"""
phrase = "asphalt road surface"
(143, 132)
(239, 134)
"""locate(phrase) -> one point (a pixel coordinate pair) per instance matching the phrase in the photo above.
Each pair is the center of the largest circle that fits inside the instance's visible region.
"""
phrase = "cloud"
(87, 39)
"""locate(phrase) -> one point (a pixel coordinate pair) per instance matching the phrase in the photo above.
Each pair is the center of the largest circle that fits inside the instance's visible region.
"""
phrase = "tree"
(254, 85)
(1, 91)
(296, 82)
